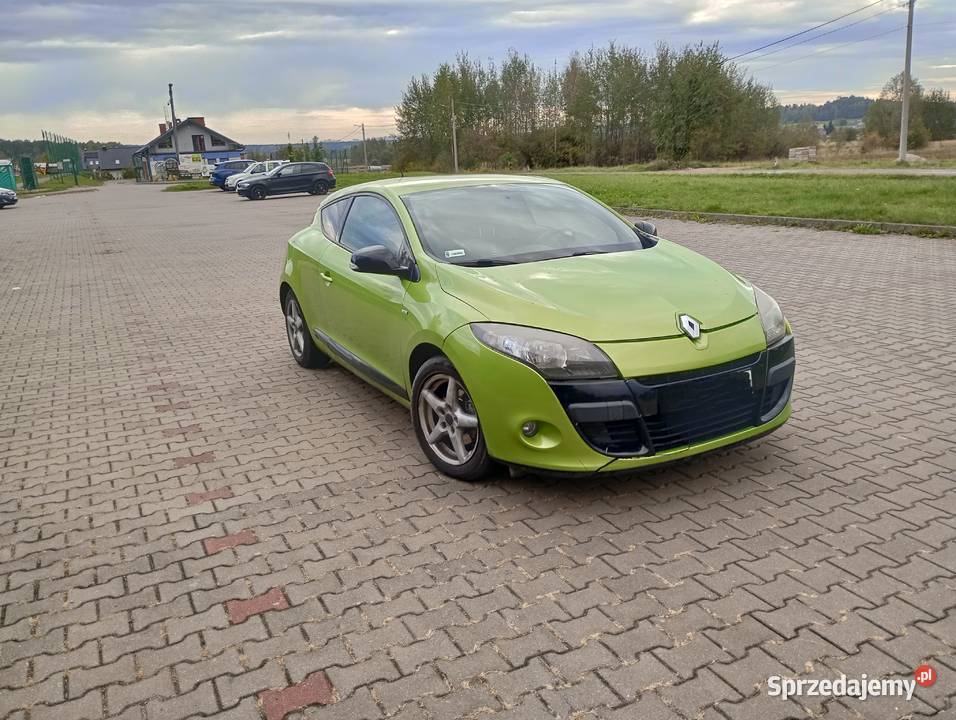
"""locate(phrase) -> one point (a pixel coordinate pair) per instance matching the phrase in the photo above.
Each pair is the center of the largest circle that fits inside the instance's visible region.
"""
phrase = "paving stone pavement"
(191, 524)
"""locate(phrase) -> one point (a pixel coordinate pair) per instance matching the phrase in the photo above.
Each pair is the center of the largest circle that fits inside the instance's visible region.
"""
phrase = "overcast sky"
(259, 70)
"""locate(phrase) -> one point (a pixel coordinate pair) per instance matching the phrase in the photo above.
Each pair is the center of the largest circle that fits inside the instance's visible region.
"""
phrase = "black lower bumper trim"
(643, 416)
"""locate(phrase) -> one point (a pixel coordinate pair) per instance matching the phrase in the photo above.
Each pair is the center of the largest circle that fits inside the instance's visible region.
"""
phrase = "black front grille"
(684, 408)
(695, 410)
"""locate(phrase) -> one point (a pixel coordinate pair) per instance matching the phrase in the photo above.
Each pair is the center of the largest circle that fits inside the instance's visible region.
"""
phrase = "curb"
(58, 192)
(782, 220)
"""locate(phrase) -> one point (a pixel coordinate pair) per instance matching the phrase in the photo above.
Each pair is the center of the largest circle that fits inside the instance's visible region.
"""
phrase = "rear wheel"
(303, 349)
(446, 422)
(319, 187)
(257, 193)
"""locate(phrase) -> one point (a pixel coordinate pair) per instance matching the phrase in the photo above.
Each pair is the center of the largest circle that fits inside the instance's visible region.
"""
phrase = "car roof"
(423, 183)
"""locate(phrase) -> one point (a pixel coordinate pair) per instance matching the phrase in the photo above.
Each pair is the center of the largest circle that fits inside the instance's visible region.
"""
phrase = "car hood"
(633, 295)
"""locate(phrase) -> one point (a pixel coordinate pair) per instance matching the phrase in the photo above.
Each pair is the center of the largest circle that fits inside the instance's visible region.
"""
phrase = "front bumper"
(8, 201)
(243, 191)
(217, 181)
(613, 425)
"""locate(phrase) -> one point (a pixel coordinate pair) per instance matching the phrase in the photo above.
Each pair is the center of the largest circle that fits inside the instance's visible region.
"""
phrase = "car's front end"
(7, 197)
(243, 187)
(630, 404)
(601, 357)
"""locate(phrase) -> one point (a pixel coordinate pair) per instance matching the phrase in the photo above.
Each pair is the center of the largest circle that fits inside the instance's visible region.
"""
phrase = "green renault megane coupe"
(524, 322)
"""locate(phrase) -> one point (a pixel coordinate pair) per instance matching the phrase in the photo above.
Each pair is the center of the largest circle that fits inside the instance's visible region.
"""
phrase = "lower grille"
(614, 437)
(679, 409)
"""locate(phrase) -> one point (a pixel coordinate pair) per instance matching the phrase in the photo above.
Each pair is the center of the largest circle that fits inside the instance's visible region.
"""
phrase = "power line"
(804, 32)
(823, 34)
(824, 51)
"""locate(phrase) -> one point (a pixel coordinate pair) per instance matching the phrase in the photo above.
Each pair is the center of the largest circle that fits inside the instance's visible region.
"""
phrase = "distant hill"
(851, 107)
(274, 148)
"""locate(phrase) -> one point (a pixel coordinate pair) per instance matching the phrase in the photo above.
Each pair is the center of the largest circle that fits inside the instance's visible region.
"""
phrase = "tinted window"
(288, 170)
(372, 221)
(333, 215)
(513, 223)
(314, 168)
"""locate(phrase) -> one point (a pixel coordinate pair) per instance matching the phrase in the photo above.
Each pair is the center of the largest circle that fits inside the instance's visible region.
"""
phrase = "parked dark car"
(224, 169)
(315, 178)
(7, 197)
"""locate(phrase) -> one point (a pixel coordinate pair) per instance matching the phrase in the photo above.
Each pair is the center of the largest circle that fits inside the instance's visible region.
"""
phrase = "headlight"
(555, 355)
(243, 184)
(771, 316)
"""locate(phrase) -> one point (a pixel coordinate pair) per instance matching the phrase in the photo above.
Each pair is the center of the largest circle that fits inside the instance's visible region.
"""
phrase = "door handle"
(326, 277)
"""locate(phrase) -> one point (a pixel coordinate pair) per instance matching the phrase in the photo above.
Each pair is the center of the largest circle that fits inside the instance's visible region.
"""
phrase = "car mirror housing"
(379, 260)
(646, 227)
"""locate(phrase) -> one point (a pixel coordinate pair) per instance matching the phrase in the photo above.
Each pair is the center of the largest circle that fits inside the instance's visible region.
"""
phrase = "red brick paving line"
(172, 432)
(217, 544)
(315, 689)
(194, 459)
(241, 610)
(201, 497)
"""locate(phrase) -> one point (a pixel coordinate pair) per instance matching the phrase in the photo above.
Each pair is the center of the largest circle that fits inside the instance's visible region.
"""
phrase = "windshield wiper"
(485, 262)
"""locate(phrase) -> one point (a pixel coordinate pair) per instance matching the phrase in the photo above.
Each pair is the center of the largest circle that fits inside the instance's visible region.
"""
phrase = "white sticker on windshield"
(454, 253)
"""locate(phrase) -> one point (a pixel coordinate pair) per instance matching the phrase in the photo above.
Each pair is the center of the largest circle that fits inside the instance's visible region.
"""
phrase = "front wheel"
(446, 422)
(257, 193)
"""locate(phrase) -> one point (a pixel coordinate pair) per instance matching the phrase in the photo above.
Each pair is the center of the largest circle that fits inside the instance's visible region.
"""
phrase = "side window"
(372, 221)
(333, 215)
(288, 171)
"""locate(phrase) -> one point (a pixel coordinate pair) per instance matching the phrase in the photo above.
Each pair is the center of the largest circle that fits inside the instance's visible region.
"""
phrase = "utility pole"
(172, 110)
(364, 147)
(905, 116)
(454, 136)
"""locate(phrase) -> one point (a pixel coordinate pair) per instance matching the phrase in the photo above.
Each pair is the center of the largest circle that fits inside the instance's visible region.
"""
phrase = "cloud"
(262, 69)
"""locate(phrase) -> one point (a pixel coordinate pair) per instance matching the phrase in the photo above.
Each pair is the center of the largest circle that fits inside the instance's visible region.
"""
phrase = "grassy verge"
(885, 198)
(190, 185)
(60, 183)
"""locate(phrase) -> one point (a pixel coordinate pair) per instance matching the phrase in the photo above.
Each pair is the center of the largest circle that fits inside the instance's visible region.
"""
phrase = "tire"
(297, 331)
(434, 415)
(224, 188)
(257, 193)
(319, 187)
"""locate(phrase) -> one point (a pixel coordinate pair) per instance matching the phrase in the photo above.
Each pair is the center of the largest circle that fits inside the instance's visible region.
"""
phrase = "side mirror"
(379, 260)
(646, 227)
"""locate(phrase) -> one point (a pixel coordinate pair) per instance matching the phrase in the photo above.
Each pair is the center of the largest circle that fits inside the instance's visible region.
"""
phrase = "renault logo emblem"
(689, 326)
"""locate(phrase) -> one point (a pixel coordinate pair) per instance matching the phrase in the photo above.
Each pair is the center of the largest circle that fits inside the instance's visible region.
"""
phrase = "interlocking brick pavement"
(166, 469)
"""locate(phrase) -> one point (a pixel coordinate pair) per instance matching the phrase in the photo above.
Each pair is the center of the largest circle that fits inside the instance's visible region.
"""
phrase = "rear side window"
(315, 168)
(372, 221)
(333, 215)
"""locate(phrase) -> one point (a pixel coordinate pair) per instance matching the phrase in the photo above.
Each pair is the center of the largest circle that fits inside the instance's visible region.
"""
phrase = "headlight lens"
(555, 355)
(771, 316)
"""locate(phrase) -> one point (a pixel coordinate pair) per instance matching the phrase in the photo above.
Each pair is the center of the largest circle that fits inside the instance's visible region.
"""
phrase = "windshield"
(257, 168)
(511, 223)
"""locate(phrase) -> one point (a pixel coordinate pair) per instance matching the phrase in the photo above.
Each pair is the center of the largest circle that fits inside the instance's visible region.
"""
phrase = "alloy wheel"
(295, 327)
(448, 419)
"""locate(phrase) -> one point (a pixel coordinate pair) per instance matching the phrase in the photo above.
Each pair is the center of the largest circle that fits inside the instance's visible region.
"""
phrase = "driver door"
(363, 311)
(284, 180)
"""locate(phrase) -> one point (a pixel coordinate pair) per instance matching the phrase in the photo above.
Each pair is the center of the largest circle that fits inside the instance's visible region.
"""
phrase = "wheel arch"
(420, 354)
(284, 290)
